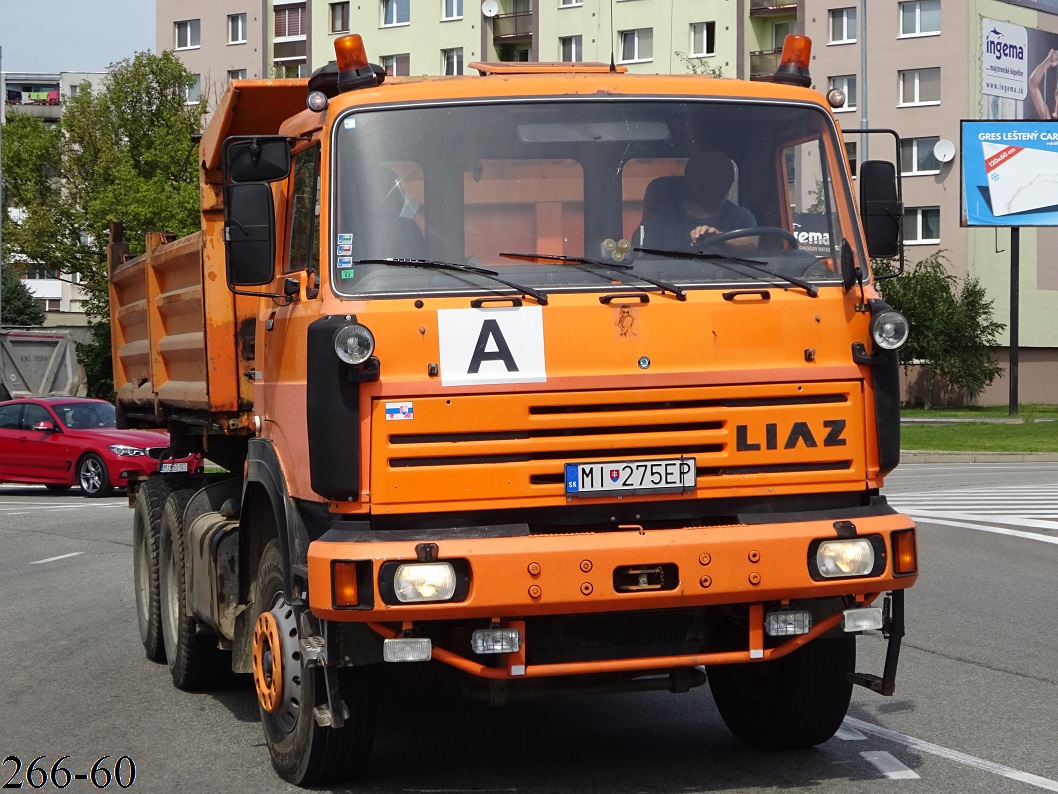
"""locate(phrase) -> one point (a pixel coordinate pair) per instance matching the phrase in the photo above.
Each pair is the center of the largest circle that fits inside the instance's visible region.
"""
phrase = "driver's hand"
(698, 231)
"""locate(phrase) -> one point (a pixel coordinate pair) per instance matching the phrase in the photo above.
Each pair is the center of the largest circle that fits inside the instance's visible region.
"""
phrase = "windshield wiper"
(614, 267)
(724, 259)
(429, 264)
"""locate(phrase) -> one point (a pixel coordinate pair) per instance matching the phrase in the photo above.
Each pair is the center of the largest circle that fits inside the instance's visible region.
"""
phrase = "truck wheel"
(92, 476)
(146, 526)
(195, 661)
(793, 702)
(303, 752)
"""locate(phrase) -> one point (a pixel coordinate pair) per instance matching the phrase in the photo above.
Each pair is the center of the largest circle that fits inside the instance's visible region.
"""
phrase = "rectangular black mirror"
(880, 207)
(262, 158)
(249, 234)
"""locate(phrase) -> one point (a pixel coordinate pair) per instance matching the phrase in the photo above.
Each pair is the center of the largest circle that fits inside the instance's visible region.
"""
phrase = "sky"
(73, 35)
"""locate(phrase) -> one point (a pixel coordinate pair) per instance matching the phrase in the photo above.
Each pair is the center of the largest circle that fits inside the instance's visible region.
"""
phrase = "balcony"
(763, 8)
(763, 63)
(512, 27)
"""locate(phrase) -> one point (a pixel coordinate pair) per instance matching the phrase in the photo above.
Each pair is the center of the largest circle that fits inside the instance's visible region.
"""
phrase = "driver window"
(305, 212)
(9, 416)
(34, 415)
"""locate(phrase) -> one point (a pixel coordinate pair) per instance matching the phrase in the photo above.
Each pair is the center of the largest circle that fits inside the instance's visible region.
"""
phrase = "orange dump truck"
(511, 392)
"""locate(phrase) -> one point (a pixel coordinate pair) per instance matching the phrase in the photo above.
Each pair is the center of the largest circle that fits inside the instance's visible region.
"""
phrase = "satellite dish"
(944, 150)
(490, 8)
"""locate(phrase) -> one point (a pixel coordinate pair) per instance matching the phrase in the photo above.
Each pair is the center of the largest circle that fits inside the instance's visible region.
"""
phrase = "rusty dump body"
(631, 457)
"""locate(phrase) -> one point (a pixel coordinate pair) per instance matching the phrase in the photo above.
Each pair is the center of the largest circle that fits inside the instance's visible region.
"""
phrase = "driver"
(704, 210)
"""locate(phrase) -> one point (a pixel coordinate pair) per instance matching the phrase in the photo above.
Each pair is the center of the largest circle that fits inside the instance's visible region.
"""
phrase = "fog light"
(890, 329)
(407, 649)
(354, 344)
(424, 581)
(496, 641)
(863, 619)
(787, 623)
(837, 558)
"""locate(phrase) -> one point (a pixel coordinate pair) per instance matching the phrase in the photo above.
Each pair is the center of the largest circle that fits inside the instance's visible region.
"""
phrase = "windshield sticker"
(491, 346)
(398, 412)
(349, 124)
(345, 239)
(347, 273)
(345, 261)
(345, 250)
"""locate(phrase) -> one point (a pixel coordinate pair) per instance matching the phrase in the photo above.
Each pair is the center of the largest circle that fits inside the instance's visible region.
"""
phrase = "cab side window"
(305, 212)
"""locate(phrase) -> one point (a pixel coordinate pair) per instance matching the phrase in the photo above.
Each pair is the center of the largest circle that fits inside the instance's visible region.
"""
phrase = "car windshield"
(545, 195)
(86, 416)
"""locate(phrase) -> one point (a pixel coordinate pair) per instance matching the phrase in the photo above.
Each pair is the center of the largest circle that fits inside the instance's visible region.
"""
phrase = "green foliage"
(17, 304)
(122, 153)
(953, 329)
(96, 360)
(699, 65)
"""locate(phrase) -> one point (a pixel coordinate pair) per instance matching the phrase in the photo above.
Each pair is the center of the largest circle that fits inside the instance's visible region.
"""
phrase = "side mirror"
(880, 207)
(249, 234)
(44, 427)
(264, 158)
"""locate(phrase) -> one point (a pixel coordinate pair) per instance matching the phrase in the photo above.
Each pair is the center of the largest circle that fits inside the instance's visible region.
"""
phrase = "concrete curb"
(937, 456)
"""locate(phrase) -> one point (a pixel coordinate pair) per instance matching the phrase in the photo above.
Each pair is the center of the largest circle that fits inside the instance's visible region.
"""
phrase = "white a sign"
(1004, 65)
(494, 345)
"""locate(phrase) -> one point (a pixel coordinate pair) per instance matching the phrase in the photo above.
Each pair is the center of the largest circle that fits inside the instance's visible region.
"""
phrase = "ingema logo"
(995, 46)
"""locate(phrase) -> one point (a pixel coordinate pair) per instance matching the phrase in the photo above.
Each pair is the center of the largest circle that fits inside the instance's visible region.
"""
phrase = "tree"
(17, 304)
(953, 329)
(697, 65)
(123, 153)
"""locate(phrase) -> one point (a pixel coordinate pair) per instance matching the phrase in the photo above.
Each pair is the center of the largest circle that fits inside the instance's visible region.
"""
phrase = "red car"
(64, 441)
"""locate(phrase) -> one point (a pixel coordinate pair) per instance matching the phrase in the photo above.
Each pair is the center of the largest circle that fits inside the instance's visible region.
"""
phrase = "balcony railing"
(512, 26)
(762, 63)
(762, 7)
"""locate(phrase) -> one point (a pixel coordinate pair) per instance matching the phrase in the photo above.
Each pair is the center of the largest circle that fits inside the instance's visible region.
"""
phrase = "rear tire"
(146, 531)
(302, 752)
(195, 661)
(793, 702)
(93, 477)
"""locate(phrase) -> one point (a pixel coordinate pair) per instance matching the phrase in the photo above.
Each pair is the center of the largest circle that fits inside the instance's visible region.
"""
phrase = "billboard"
(1009, 173)
(1019, 71)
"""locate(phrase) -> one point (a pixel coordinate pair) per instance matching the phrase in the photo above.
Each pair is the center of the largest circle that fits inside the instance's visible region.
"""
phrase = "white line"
(849, 734)
(888, 765)
(60, 557)
(954, 755)
(1000, 517)
(997, 530)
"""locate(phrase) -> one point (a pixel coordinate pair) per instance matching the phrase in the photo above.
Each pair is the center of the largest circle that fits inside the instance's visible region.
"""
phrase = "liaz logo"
(832, 434)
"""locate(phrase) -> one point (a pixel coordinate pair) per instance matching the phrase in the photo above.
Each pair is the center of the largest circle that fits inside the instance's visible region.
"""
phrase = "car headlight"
(424, 581)
(847, 557)
(126, 451)
(354, 344)
(889, 329)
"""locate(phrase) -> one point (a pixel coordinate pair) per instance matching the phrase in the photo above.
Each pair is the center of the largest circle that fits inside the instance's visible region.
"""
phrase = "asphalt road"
(976, 708)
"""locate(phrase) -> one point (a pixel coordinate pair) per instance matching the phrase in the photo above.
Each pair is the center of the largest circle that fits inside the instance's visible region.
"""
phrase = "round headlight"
(890, 329)
(354, 344)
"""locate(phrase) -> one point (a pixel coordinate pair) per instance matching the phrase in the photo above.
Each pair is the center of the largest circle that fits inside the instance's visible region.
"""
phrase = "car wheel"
(92, 476)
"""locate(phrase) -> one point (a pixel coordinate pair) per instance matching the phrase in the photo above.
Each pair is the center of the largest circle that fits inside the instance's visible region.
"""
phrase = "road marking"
(60, 557)
(987, 528)
(954, 755)
(849, 734)
(889, 765)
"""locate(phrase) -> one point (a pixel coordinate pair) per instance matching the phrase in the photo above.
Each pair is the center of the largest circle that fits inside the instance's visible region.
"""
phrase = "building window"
(41, 272)
(842, 25)
(194, 92)
(637, 45)
(339, 17)
(187, 34)
(850, 153)
(916, 156)
(236, 74)
(779, 32)
(567, 3)
(397, 65)
(236, 28)
(847, 84)
(922, 225)
(452, 61)
(292, 67)
(453, 9)
(396, 12)
(703, 39)
(290, 21)
(920, 86)
(920, 18)
(570, 49)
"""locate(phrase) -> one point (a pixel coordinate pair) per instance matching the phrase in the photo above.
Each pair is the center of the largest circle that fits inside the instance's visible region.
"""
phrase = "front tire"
(195, 661)
(303, 752)
(92, 476)
(146, 540)
(796, 701)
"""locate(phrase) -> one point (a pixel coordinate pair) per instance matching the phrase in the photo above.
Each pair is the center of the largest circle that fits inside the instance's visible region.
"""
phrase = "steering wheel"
(754, 231)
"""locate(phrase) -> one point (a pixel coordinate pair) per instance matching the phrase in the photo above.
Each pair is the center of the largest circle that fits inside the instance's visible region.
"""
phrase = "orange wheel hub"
(267, 662)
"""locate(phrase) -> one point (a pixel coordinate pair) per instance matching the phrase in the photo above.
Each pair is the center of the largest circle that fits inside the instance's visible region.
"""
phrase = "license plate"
(169, 468)
(668, 475)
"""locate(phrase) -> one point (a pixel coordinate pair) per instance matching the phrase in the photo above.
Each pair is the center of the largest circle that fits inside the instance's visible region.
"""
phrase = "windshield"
(583, 184)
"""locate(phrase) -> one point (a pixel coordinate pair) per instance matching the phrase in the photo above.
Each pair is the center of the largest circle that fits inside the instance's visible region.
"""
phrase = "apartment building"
(920, 70)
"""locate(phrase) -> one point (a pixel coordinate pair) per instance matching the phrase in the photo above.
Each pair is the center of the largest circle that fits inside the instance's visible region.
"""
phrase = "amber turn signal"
(905, 556)
(345, 589)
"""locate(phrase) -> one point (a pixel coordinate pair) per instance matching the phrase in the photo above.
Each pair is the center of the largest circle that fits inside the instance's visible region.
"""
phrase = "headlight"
(354, 344)
(424, 581)
(840, 558)
(127, 452)
(889, 329)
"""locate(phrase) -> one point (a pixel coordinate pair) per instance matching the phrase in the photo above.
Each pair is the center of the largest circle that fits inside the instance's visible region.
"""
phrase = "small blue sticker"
(345, 239)
(345, 261)
(349, 124)
(345, 250)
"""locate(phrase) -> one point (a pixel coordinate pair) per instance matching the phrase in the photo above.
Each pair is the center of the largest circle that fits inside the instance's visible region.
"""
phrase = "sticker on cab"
(491, 346)
(396, 412)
